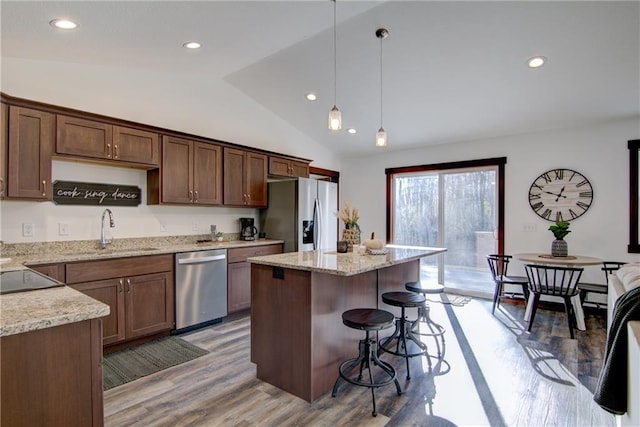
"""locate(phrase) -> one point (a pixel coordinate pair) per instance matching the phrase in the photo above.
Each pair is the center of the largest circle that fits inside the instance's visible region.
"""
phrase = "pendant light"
(335, 116)
(381, 135)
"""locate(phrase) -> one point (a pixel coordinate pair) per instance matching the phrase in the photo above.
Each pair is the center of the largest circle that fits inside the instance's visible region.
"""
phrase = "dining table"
(564, 261)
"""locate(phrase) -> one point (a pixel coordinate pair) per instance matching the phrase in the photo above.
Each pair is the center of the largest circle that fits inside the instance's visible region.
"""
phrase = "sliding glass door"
(457, 207)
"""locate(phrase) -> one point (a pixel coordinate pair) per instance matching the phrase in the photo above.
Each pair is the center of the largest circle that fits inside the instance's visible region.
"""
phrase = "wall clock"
(560, 195)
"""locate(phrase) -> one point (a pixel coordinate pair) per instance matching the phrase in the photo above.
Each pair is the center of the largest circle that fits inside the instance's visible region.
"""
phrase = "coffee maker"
(247, 230)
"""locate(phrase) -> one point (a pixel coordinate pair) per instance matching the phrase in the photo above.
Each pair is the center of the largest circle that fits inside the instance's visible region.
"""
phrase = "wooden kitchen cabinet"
(96, 140)
(52, 376)
(29, 154)
(280, 166)
(245, 178)
(110, 292)
(55, 271)
(239, 274)
(191, 173)
(4, 137)
(138, 290)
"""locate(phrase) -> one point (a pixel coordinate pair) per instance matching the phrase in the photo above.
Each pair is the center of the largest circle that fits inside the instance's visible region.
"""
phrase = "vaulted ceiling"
(452, 71)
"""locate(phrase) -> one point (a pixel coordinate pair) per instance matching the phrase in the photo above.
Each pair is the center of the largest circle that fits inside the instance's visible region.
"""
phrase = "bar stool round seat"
(403, 342)
(424, 288)
(368, 320)
(435, 330)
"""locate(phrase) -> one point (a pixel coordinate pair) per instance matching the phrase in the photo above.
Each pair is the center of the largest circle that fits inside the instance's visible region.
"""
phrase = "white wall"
(138, 221)
(598, 151)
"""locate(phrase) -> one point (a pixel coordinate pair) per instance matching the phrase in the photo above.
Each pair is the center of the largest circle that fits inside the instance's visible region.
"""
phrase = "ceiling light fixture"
(335, 116)
(310, 96)
(352, 131)
(381, 135)
(192, 45)
(63, 24)
(536, 61)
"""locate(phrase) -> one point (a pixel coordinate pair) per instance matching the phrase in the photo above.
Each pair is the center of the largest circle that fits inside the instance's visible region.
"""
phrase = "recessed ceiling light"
(352, 131)
(536, 61)
(63, 24)
(192, 45)
(310, 96)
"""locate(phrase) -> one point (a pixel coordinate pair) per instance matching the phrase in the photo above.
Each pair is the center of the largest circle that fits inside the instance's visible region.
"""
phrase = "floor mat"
(126, 365)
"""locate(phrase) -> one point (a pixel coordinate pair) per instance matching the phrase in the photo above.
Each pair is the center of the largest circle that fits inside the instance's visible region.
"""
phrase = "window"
(454, 205)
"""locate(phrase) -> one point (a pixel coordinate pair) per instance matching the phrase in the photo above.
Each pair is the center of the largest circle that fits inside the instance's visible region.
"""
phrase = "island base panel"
(297, 336)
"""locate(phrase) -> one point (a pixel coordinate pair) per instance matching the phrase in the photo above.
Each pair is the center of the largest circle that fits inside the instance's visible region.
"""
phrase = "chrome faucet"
(103, 238)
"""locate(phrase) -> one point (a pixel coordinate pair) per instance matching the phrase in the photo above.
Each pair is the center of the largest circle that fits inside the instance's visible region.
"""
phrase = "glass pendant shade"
(335, 119)
(381, 138)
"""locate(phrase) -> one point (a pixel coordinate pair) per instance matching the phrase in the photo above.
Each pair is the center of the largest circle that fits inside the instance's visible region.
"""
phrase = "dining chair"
(555, 281)
(608, 267)
(498, 264)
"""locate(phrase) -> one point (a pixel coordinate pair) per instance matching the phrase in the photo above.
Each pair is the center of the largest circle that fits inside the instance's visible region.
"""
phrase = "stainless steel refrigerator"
(303, 213)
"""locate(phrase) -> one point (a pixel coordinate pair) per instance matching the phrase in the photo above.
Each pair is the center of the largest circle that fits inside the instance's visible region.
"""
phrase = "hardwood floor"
(493, 373)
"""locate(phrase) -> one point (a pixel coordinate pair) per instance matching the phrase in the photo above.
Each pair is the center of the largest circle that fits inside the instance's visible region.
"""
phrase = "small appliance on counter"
(247, 230)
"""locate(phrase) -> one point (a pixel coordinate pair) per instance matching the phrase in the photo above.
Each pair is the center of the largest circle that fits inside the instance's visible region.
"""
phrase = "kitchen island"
(297, 300)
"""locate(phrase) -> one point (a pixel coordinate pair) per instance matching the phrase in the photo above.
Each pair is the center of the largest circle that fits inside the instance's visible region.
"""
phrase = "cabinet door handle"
(191, 196)
(120, 287)
(115, 151)
(129, 285)
(44, 187)
(196, 193)
(108, 151)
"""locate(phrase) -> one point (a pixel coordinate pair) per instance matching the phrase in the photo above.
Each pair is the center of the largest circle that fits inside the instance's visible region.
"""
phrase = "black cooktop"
(25, 280)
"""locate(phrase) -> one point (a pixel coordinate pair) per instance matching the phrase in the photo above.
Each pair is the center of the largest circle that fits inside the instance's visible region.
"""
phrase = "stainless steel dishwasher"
(201, 287)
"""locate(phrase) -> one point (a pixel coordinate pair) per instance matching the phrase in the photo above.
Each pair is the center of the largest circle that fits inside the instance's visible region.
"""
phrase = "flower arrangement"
(349, 216)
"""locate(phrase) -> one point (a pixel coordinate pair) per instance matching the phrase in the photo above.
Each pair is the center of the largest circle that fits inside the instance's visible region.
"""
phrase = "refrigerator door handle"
(317, 214)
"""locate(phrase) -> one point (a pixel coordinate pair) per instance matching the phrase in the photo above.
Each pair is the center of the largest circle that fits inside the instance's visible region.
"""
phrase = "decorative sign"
(88, 193)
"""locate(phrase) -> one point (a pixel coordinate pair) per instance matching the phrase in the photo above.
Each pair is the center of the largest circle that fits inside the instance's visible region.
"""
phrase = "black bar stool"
(436, 330)
(403, 334)
(367, 319)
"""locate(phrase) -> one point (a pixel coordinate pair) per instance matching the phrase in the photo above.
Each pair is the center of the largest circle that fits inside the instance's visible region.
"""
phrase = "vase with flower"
(351, 232)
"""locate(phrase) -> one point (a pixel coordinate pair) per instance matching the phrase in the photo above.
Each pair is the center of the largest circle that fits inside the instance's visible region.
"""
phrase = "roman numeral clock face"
(560, 195)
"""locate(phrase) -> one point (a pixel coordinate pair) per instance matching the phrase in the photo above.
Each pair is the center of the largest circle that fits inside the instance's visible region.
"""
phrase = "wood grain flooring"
(493, 373)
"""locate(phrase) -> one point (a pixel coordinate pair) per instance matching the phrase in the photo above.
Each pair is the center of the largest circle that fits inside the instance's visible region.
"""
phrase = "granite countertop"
(38, 309)
(57, 252)
(46, 308)
(345, 264)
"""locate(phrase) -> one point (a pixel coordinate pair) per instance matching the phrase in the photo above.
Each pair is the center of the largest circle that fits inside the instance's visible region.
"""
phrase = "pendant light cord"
(381, 80)
(335, 56)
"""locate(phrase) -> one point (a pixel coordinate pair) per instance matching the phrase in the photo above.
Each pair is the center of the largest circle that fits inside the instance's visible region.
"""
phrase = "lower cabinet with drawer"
(239, 274)
(138, 290)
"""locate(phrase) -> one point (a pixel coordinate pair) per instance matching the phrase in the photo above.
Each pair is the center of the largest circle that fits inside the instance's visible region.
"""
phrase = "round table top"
(546, 258)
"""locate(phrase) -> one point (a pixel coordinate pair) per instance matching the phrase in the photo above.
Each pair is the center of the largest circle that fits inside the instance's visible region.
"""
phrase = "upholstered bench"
(620, 282)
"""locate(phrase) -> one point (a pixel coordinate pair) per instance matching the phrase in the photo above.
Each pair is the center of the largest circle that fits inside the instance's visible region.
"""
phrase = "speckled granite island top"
(46, 308)
(345, 264)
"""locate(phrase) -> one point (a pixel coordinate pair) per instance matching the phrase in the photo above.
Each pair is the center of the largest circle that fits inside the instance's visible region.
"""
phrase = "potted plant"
(559, 247)
(219, 235)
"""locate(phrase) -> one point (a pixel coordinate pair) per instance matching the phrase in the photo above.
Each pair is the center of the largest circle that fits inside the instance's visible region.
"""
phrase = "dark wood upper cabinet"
(245, 178)
(280, 166)
(96, 140)
(191, 173)
(207, 173)
(30, 149)
(4, 139)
